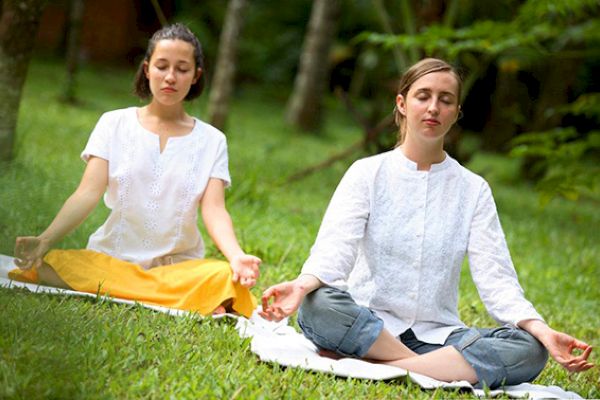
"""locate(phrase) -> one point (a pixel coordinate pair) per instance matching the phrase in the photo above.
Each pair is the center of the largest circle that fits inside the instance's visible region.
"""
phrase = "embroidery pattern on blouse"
(151, 204)
(191, 178)
(123, 189)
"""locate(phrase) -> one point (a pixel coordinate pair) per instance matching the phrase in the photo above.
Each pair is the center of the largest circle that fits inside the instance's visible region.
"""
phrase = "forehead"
(441, 81)
(173, 49)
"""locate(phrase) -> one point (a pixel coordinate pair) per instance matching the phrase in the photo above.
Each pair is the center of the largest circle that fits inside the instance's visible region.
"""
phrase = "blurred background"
(530, 68)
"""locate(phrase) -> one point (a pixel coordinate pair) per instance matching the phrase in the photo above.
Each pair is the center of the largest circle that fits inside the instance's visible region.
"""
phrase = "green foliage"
(567, 158)
(587, 105)
(557, 10)
(532, 29)
(561, 154)
(63, 347)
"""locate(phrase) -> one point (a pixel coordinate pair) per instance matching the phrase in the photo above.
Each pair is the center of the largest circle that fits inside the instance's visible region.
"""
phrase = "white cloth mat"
(282, 344)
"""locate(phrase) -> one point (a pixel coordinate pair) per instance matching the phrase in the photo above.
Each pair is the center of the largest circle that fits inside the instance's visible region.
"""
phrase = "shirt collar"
(411, 165)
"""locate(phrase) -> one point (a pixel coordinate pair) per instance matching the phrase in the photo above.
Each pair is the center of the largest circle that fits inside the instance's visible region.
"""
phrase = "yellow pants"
(194, 285)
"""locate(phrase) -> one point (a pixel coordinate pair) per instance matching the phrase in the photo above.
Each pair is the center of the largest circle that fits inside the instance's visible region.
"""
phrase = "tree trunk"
(19, 20)
(222, 83)
(555, 85)
(73, 40)
(554, 92)
(506, 105)
(304, 105)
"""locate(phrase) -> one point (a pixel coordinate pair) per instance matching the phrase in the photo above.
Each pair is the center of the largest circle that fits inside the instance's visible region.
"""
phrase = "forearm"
(73, 212)
(537, 328)
(307, 283)
(220, 228)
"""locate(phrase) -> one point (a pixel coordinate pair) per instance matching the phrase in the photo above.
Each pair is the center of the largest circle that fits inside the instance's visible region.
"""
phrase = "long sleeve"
(492, 268)
(333, 255)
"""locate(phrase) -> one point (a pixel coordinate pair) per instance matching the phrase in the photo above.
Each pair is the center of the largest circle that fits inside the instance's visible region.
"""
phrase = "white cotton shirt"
(396, 237)
(154, 196)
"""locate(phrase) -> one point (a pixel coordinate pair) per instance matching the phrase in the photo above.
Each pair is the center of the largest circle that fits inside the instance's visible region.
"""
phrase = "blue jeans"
(332, 320)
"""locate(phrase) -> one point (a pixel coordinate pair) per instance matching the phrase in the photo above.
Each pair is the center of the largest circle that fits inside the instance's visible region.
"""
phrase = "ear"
(401, 104)
(459, 114)
(146, 69)
(198, 75)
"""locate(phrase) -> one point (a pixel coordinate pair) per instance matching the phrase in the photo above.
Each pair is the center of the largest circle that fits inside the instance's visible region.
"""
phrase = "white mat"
(280, 343)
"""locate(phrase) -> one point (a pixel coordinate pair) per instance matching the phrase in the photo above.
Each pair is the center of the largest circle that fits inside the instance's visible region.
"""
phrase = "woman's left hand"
(245, 269)
(561, 347)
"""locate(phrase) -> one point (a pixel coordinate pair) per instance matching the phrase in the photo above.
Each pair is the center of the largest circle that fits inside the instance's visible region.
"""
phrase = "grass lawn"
(57, 347)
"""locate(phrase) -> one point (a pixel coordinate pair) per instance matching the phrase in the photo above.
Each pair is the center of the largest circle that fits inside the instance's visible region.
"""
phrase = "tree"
(304, 106)
(550, 42)
(222, 83)
(19, 21)
(73, 39)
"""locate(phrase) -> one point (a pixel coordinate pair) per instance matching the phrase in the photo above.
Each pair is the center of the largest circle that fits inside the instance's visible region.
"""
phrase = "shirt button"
(412, 296)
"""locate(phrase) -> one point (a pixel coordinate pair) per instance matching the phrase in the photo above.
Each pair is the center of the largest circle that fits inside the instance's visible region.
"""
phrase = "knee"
(221, 272)
(534, 354)
(333, 321)
(512, 356)
(318, 308)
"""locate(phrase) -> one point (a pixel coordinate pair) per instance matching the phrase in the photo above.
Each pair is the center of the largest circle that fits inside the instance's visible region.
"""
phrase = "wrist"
(45, 240)
(231, 257)
(535, 327)
(307, 283)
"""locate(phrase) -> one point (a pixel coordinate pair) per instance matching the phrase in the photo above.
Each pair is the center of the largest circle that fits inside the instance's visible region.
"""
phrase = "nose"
(170, 77)
(433, 107)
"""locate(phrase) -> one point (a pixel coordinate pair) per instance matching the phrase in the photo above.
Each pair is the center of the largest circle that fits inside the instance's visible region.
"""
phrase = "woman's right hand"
(287, 297)
(29, 251)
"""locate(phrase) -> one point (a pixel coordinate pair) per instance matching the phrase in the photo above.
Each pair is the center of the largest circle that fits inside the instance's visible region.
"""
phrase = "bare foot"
(219, 310)
(329, 354)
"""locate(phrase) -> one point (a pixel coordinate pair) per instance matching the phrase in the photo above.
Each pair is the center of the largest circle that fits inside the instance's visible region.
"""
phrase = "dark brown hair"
(418, 70)
(141, 86)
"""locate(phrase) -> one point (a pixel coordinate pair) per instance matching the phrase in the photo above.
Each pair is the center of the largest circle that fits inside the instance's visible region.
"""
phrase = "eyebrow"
(427, 90)
(177, 62)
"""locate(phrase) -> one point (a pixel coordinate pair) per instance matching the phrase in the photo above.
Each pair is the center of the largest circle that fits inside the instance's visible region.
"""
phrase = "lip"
(168, 90)
(431, 122)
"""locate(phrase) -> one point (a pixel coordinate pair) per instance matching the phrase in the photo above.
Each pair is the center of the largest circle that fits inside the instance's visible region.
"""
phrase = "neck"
(424, 153)
(171, 113)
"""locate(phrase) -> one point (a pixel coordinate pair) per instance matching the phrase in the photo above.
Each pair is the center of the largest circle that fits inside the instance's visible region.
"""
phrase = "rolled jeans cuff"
(333, 321)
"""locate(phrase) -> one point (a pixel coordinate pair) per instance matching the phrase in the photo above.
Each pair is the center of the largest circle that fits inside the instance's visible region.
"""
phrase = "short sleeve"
(220, 168)
(98, 143)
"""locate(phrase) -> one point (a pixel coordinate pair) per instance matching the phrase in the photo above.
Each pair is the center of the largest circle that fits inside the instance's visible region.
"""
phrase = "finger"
(264, 315)
(270, 292)
(235, 277)
(265, 302)
(22, 263)
(583, 356)
(252, 258)
(249, 274)
(271, 316)
(247, 282)
(278, 311)
(578, 367)
(580, 345)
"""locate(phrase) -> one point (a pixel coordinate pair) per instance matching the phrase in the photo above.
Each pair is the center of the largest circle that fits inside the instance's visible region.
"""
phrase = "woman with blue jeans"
(381, 282)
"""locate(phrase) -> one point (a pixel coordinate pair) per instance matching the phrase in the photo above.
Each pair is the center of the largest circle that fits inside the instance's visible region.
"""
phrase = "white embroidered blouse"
(396, 237)
(154, 196)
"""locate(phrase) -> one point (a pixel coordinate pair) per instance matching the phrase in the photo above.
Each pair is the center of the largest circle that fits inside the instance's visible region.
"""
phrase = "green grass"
(57, 347)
